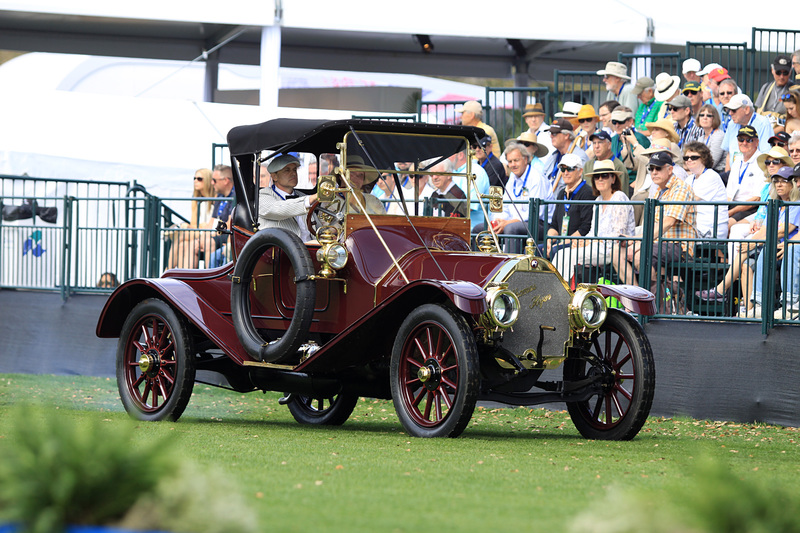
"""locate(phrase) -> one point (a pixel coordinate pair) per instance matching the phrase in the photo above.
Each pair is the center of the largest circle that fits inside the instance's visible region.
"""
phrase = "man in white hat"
(568, 219)
(667, 88)
(279, 205)
(743, 113)
(690, 70)
(471, 115)
(616, 78)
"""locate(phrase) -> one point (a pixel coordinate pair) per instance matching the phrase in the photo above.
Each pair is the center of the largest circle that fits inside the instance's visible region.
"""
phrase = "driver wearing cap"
(281, 205)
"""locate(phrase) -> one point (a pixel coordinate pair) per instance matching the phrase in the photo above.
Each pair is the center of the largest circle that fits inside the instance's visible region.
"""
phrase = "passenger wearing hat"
(680, 109)
(743, 113)
(690, 69)
(769, 97)
(280, 205)
(678, 221)
(536, 150)
(601, 149)
(492, 165)
(471, 115)
(562, 135)
(534, 118)
(649, 108)
(746, 179)
(616, 78)
(780, 139)
(570, 220)
(694, 92)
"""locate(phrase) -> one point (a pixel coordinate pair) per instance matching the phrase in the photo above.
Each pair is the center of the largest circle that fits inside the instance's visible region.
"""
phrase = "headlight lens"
(335, 256)
(587, 309)
(503, 307)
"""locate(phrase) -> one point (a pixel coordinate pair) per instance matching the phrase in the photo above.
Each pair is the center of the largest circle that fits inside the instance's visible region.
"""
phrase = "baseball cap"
(719, 74)
(795, 171)
(781, 136)
(571, 160)
(643, 83)
(708, 68)
(680, 101)
(691, 65)
(660, 159)
(738, 100)
(747, 131)
(602, 135)
(785, 172)
(560, 125)
(781, 62)
(691, 86)
(280, 162)
(472, 106)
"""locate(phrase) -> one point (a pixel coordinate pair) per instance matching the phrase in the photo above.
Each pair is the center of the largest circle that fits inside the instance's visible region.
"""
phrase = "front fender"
(635, 298)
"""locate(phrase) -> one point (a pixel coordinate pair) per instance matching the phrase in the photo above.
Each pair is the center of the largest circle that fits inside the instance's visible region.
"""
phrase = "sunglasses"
(780, 144)
(782, 72)
(604, 176)
(690, 92)
(773, 162)
(692, 157)
(618, 122)
(198, 179)
(779, 179)
(705, 115)
(747, 140)
(726, 93)
(585, 120)
(654, 168)
(565, 168)
(787, 96)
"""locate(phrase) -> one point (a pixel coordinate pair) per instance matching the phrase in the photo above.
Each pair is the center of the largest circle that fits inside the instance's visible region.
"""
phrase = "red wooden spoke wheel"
(155, 371)
(434, 372)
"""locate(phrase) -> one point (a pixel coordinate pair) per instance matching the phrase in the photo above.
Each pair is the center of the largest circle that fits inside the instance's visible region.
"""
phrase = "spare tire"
(297, 333)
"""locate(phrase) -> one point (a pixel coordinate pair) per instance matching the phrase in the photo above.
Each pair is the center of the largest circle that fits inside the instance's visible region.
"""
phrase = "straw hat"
(533, 110)
(587, 111)
(665, 124)
(529, 140)
(604, 166)
(776, 152)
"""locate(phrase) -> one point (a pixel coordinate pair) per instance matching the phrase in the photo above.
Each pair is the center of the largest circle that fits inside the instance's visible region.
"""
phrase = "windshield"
(399, 174)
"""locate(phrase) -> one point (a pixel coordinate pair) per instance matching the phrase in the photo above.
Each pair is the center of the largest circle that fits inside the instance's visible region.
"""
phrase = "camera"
(628, 131)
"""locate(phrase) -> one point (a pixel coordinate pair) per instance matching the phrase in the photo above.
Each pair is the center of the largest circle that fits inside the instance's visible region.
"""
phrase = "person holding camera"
(625, 142)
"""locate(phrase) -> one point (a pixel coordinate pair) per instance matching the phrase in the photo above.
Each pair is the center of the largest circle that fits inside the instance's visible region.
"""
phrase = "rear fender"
(635, 298)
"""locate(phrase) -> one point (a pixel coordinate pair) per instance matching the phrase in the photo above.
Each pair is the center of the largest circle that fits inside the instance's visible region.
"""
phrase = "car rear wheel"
(624, 360)
(328, 411)
(155, 369)
(434, 372)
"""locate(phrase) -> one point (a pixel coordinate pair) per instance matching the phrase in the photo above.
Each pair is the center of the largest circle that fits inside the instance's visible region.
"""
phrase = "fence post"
(769, 264)
(66, 248)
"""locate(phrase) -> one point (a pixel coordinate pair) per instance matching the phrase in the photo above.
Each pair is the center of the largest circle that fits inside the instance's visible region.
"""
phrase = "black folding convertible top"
(321, 136)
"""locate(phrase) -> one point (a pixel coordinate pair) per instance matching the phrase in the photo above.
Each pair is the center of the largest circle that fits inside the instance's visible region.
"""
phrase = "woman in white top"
(610, 220)
(708, 118)
(707, 186)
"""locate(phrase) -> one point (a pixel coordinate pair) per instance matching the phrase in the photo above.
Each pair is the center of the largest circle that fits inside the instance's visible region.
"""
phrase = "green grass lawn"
(512, 469)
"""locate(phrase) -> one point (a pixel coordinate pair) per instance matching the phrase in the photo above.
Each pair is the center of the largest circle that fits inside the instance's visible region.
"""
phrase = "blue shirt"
(763, 128)
(482, 181)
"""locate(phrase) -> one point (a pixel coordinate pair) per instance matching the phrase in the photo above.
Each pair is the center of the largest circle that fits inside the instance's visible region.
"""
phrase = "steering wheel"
(326, 214)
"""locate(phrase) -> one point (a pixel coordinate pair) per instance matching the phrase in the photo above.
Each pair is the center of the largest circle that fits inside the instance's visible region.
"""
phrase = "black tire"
(333, 411)
(155, 365)
(626, 359)
(297, 332)
(437, 339)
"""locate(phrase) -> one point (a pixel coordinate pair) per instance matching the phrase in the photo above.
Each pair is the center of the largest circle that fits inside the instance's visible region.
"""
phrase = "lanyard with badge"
(565, 220)
(523, 190)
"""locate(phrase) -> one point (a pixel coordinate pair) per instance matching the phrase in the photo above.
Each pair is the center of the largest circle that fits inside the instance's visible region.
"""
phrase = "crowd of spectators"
(685, 140)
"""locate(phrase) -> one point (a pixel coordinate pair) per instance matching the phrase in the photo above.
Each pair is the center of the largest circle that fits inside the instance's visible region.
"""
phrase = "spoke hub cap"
(149, 362)
(430, 374)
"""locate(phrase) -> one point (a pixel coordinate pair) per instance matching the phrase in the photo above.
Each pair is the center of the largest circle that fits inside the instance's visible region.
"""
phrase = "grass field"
(512, 470)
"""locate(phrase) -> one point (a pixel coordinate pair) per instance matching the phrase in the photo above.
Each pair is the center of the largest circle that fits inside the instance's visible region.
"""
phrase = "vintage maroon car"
(389, 305)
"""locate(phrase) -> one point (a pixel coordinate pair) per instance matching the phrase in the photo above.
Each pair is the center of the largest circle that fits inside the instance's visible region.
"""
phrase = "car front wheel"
(623, 362)
(434, 372)
(155, 369)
